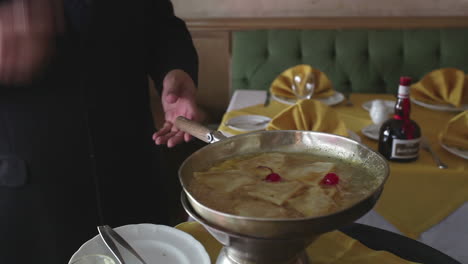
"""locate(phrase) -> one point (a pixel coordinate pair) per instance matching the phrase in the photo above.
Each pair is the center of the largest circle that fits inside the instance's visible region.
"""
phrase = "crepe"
(274, 192)
(258, 208)
(311, 174)
(270, 160)
(225, 181)
(315, 201)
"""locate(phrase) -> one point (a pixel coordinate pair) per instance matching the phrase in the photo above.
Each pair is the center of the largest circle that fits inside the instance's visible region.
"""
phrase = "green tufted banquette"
(367, 61)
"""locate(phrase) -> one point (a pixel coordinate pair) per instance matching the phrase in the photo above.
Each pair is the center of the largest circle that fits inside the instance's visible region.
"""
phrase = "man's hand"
(27, 28)
(178, 99)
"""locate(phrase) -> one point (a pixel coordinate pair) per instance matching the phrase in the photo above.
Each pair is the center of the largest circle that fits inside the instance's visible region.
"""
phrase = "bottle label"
(403, 91)
(405, 148)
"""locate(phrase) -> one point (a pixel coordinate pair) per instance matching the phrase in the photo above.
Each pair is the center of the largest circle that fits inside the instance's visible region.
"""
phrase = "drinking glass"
(303, 85)
(94, 259)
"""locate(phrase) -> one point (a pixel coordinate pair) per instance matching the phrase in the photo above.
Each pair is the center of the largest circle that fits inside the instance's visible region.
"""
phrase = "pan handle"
(197, 130)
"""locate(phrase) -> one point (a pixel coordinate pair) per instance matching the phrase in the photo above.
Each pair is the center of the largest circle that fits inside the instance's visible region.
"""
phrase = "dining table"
(419, 200)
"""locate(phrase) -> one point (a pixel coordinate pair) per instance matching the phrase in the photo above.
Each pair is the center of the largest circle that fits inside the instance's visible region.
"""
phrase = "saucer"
(441, 107)
(371, 131)
(248, 122)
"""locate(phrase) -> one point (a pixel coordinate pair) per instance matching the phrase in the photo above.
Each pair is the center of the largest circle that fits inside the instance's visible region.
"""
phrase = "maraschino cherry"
(330, 179)
(272, 177)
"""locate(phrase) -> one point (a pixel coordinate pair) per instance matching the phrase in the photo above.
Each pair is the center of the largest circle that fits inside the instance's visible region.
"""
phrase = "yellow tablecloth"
(417, 195)
(331, 248)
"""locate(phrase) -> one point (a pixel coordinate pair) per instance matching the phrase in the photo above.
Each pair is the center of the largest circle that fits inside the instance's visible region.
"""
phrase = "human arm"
(174, 67)
(178, 99)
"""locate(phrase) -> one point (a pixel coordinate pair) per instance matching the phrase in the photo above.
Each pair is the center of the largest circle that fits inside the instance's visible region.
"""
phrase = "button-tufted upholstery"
(354, 60)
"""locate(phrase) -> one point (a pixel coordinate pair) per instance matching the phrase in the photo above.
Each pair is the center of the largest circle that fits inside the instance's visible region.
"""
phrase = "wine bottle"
(399, 136)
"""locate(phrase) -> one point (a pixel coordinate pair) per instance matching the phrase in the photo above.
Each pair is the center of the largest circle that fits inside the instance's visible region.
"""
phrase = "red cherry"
(273, 177)
(330, 179)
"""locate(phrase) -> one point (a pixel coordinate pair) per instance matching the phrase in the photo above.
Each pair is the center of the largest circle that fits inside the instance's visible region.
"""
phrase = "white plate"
(154, 243)
(371, 131)
(388, 103)
(441, 107)
(248, 122)
(336, 98)
(456, 151)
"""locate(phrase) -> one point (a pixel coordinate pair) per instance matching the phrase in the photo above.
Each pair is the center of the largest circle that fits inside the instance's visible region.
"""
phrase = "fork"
(427, 147)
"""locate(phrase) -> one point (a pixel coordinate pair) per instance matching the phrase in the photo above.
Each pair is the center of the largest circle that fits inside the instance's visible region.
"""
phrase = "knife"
(108, 235)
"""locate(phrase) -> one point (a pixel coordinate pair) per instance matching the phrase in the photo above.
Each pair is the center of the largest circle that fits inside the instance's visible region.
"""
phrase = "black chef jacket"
(75, 145)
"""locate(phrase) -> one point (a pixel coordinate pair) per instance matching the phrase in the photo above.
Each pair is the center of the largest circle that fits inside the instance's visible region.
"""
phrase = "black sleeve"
(169, 43)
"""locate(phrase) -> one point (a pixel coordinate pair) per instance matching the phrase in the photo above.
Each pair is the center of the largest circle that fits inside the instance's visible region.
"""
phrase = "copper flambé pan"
(286, 141)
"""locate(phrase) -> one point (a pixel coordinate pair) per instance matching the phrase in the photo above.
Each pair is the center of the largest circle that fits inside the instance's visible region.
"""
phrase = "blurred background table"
(444, 229)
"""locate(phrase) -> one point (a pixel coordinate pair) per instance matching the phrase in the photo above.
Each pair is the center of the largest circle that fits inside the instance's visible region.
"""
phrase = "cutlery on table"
(427, 147)
(109, 236)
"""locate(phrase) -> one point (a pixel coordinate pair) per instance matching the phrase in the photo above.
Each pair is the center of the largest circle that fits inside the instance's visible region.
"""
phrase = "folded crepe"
(455, 132)
(310, 115)
(442, 86)
(281, 86)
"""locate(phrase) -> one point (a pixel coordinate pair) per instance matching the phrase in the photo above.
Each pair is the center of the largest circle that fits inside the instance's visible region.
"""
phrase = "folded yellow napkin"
(442, 86)
(310, 115)
(333, 247)
(455, 132)
(281, 86)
